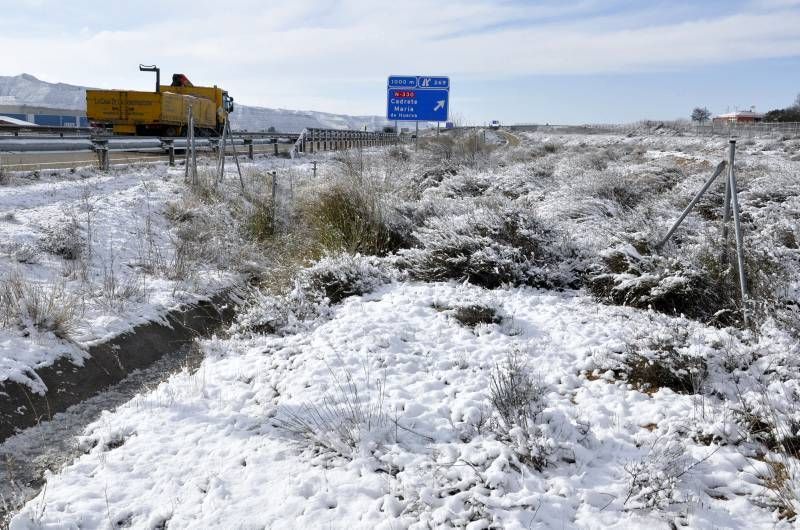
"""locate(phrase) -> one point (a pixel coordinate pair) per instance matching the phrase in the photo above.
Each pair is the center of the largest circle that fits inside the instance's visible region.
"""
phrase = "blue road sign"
(417, 98)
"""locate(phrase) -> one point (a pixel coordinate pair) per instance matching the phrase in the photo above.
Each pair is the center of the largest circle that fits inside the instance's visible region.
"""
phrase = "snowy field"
(85, 256)
(475, 339)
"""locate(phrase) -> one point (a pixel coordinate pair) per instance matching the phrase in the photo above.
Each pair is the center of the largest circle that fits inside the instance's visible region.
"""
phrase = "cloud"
(297, 53)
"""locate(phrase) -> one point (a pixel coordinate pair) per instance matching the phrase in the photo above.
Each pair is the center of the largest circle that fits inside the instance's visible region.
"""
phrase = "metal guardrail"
(47, 149)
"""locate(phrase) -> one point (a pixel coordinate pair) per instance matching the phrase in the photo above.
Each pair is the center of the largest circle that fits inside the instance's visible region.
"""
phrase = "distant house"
(739, 116)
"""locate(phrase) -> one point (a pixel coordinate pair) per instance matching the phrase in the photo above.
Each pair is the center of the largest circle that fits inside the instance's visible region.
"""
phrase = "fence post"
(249, 143)
(738, 230)
(169, 145)
(274, 196)
(101, 146)
(312, 141)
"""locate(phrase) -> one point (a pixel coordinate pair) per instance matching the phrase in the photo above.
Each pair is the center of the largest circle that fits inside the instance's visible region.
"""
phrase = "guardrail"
(44, 151)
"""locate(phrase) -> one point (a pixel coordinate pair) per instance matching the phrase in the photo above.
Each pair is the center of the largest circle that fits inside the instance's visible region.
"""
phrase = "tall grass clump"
(44, 308)
(352, 217)
(352, 413)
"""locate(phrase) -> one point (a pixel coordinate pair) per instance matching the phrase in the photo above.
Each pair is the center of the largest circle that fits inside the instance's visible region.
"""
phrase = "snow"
(114, 288)
(202, 450)
(381, 411)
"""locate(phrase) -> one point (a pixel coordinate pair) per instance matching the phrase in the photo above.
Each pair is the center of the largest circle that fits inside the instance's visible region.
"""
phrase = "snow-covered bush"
(653, 481)
(627, 277)
(63, 239)
(660, 359)
(315, 288)
(281, 314)
(23, 251)
(518, 401)
(472, 315)
(486, 247)
(341, 275)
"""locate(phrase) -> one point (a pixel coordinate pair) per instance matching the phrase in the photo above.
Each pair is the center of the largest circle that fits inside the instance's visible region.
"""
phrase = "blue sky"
(517, 61)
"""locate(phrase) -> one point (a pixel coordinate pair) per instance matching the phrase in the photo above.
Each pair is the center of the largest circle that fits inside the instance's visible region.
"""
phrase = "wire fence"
(678, 127)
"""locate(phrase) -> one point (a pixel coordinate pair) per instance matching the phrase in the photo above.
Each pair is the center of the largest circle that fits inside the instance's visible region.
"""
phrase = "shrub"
(472, 315)
(626, 277)
(327, 282)
(518, 401)
(485, 247)
(653, 481)
(346, 217)
(343, 275)
(63, 239)
(23, 252)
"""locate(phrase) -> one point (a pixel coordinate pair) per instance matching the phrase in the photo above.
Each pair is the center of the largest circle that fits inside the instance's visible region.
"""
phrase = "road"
(512, 140)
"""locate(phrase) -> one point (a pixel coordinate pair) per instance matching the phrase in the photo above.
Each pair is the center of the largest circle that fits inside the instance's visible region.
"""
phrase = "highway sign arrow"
(439, 105)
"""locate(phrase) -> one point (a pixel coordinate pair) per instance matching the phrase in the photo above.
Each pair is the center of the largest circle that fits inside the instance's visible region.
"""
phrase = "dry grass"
(45, 308)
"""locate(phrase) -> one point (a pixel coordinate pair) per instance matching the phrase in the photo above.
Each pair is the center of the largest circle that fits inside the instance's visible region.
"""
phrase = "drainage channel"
(51, 445)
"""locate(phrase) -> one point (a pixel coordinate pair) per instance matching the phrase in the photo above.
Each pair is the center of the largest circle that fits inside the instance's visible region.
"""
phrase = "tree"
(271, 129)
(700, 114)
(791, 114)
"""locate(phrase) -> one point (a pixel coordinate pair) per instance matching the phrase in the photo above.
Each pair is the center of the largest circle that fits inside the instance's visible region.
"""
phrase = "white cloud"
(300, 54)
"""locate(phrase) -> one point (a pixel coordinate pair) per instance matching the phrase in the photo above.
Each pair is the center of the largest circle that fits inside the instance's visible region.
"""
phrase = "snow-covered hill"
(26, 89)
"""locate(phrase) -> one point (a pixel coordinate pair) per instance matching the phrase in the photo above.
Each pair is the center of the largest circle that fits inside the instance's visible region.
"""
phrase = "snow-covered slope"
(25, 89)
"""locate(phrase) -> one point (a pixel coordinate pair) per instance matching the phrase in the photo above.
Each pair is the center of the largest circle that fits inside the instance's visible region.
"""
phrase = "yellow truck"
(161, 113)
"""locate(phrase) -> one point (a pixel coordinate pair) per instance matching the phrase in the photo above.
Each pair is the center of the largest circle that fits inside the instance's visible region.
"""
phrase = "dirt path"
(511, 139)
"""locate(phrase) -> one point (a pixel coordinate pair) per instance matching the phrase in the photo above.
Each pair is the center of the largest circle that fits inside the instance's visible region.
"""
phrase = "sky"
(518, 61)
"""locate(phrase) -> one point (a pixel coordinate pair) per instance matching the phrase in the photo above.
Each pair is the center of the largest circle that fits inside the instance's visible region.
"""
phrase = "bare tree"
(797, 101)
(701, 114)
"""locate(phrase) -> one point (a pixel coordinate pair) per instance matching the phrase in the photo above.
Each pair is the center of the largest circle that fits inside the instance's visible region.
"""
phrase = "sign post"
(417, 98)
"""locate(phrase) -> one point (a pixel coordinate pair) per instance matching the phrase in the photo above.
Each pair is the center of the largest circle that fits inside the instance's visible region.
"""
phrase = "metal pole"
(194, 153)
(696, 198)
(171, 151)
(416, 136)
(188, 145)
(235, 154)
(274, 195)
(726, 214)
(738, 229)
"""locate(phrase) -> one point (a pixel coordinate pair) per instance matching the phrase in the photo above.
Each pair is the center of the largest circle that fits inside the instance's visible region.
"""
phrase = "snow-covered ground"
(521, 361)
(85, 256)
